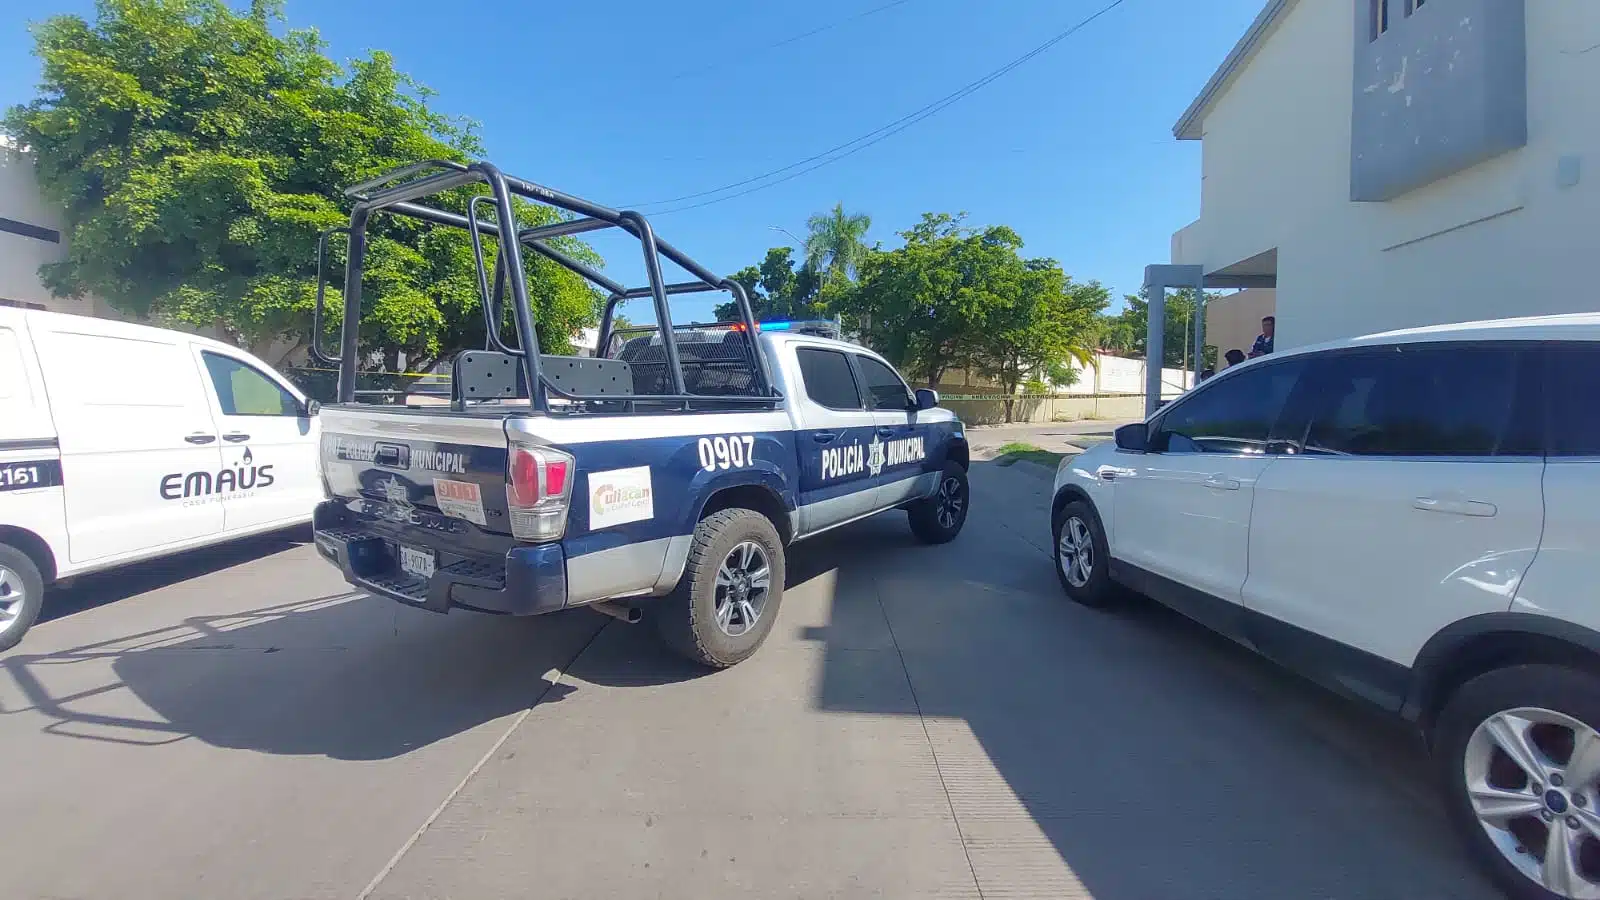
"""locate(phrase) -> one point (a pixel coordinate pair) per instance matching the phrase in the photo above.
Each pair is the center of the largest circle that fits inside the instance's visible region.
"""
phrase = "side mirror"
(1134, 438)
(927, 398)
(312, 408)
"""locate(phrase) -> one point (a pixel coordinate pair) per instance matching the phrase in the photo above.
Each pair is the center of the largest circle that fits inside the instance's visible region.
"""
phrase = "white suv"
(1412, 518)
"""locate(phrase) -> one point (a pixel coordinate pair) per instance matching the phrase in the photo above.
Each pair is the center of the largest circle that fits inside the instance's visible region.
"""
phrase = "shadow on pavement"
(1152, 758)
(96, 590)
(344, 676)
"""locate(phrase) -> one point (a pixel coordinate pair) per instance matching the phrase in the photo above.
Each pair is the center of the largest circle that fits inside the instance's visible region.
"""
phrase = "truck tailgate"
(379, 456)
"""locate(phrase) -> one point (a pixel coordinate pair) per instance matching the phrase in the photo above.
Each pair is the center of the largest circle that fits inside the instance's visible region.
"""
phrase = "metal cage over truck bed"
(663, 368)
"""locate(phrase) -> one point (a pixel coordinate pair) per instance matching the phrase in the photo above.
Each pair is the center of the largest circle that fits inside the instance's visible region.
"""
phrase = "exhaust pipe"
(629, 614)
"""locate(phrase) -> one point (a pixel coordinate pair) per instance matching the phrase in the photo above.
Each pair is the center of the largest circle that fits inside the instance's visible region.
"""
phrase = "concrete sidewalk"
(1058, 437)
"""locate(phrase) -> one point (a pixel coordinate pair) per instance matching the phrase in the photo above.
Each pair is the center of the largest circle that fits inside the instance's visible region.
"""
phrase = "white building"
(1390, 163)
(31, 234)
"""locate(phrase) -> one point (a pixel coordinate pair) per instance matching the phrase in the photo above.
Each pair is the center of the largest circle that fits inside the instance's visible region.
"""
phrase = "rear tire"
(938, 519)
(724, 606)
(1082, 556)
(21, 595)
(1555, 710)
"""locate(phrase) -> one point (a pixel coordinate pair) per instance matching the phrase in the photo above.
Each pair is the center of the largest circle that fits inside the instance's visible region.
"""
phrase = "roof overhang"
(1188, 127)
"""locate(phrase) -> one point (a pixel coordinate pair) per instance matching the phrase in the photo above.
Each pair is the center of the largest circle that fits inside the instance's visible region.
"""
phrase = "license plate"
(416, 562)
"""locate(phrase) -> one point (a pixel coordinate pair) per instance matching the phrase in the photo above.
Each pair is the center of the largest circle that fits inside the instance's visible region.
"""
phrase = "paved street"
(1059, 437)
(924, 722)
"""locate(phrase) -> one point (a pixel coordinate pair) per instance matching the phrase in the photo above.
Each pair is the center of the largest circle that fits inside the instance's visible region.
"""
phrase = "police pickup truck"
(666, 473)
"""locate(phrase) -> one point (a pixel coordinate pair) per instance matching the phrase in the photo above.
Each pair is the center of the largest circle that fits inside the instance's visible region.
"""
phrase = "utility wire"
(851, 147)
(688, 73)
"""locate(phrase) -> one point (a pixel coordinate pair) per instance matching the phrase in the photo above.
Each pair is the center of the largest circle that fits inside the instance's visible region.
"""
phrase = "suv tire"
(1082, 556)
(1564, 704)
(938, 519)
(723, 607)
(21, 595)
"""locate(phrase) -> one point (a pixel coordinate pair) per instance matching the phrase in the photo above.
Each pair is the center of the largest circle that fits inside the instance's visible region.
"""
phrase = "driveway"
(924, 722)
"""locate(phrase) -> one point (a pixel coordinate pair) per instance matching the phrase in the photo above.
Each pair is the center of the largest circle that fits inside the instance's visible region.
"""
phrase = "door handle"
(200, 438)
(1220, 483)
(823, 437)
(235, 437)
(885, 431)
(1455, 506)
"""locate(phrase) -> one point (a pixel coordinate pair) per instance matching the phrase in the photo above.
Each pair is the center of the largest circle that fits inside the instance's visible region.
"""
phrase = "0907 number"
(733, 452)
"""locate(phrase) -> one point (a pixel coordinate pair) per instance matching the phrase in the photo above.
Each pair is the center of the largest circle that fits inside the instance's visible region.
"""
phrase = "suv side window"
(884, 387)
(1234, 414)
(1573, 370)
(242, 390)
(1418, 400)
(828, 379)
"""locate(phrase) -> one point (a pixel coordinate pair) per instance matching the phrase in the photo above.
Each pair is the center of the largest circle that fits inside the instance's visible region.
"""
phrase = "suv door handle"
(885, 431)
(823, 437)
(1455, 506)
(1220, 483)
(236, 437)
(200, 437)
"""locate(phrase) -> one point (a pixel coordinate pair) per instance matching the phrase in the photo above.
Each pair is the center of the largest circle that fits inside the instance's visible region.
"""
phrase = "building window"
(1380, 17)
(1414, 5)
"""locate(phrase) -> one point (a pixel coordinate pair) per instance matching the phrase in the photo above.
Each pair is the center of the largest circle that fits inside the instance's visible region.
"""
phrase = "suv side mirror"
(927, 398)
(312, 408)
(1134, 438)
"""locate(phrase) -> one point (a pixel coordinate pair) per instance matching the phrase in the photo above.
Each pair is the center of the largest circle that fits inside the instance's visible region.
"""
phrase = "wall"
(21, 256)
(1047, 409)
(1233, 322)
(1505, 237)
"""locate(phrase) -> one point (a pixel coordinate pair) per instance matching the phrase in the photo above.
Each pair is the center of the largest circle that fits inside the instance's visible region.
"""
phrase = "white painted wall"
(1119, 375)
(1499, 239)
(21, 257)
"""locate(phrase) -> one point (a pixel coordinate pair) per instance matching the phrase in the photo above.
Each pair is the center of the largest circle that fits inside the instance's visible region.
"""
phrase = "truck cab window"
(828, 379)
(883, 385)
(244, 391)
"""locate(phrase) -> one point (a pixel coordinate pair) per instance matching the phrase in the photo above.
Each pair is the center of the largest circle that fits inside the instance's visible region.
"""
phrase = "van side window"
(242, 390)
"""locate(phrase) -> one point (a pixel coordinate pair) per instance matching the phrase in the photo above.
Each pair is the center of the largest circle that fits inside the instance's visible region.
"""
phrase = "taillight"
(538, 492)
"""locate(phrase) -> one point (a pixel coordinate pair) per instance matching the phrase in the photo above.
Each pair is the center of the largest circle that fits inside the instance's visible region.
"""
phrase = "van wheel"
(21, 595)
(1517, 752)
(727, 600)
(938, 519)
(1082, 557)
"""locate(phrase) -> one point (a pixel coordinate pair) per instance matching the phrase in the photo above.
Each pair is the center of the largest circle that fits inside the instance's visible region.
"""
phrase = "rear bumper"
(526, 581)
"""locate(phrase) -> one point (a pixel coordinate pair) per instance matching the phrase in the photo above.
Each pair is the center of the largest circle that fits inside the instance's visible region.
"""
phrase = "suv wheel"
(1082, 556)
(732, 586)
(21, 595)
(1518, 754)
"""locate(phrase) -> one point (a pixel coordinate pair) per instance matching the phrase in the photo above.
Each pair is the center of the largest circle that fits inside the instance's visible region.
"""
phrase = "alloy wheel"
(1533, 779)
(951, 500)
(744, 582)
(1075, 551)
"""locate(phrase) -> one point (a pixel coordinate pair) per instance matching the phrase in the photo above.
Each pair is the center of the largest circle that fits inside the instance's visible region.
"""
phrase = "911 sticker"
(462, 499)
(30, 474)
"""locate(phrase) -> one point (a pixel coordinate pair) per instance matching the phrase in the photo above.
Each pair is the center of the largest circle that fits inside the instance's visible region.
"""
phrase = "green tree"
(1047, 322)
(777, 290)
(924, 305)
(1127, 333)
(197, 152)
(836, 242)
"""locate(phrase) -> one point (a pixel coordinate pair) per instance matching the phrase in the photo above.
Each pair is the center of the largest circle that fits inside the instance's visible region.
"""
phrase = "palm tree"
(835, 244)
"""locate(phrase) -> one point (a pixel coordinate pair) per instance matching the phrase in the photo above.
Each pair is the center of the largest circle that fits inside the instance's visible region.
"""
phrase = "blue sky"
(614, 101)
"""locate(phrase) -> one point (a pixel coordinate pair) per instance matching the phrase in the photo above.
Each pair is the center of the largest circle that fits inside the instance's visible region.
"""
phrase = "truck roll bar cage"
(399, 191)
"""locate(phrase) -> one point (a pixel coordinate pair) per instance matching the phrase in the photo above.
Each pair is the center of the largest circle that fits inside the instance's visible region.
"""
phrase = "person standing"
(1263, 344)
(1234, 357)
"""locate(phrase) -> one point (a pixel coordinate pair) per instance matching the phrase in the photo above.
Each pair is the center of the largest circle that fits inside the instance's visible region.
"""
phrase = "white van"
(123, 442)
